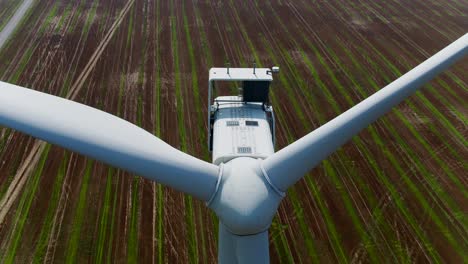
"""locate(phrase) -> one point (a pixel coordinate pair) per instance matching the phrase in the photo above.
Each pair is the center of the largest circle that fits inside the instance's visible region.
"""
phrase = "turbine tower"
(244, 192)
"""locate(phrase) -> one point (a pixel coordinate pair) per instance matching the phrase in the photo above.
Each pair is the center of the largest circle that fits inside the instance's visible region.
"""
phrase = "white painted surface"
(245, 201)
(240, 74)
(234, 134)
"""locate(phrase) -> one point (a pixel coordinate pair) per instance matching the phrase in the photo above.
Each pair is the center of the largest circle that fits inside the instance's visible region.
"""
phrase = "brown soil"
(114, 68)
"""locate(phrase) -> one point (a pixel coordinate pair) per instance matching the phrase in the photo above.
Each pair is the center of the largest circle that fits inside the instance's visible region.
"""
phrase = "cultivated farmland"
(396, 193)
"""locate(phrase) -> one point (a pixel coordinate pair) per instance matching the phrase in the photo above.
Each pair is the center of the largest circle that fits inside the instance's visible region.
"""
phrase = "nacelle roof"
(240, 74)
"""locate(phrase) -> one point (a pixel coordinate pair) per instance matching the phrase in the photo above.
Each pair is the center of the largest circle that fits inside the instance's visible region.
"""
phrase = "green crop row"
(184, 144)
(22, 212)
(201, 127)
(75, 237)
(426, 173)
(46, 229)
(159, 193)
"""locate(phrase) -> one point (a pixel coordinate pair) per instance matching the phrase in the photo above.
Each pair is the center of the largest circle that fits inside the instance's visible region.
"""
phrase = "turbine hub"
(244, 201)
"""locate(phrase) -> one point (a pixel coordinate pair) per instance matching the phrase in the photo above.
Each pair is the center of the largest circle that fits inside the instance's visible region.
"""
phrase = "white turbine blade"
(288, 165)
(104, 137)
(243, 249)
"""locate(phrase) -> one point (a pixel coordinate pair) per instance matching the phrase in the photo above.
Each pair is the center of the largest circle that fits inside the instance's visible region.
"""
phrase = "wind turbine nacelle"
(241, 130)
(241, 125)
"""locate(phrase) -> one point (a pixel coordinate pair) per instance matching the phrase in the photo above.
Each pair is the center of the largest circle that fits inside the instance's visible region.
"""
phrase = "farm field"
(396, 193)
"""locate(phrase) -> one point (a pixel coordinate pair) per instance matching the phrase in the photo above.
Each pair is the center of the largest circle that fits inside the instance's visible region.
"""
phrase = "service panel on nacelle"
(240, 130)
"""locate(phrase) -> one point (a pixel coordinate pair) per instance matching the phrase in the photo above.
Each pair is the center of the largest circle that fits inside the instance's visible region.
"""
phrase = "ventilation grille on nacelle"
(232, 123)
(244, 150)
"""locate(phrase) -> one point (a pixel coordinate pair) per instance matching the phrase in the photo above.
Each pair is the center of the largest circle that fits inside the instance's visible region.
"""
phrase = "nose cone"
(245, 202)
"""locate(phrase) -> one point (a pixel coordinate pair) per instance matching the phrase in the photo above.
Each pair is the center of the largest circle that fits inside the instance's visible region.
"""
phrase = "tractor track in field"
(78, 84)
(30, 162)
(20, 178)
(13, 23)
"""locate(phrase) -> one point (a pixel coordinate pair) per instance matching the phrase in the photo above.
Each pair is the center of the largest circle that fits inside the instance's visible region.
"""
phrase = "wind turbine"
(244, 192)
